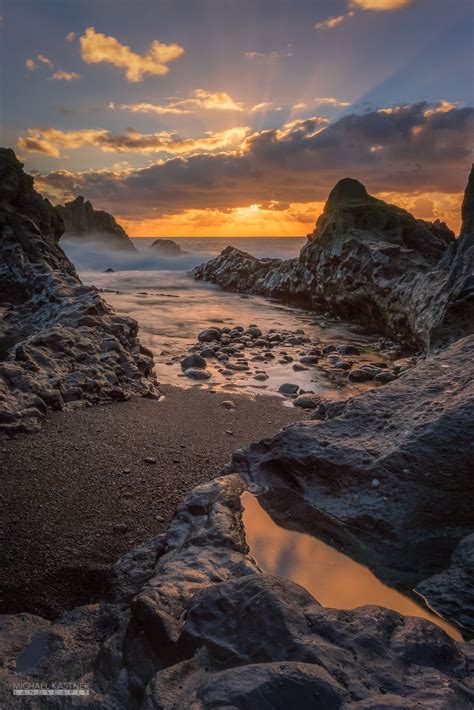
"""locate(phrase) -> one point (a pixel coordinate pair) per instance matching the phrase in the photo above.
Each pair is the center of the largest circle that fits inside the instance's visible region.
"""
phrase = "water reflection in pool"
(333, 578)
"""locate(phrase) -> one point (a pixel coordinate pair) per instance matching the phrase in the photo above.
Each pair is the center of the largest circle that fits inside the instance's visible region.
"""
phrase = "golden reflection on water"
(334, 579)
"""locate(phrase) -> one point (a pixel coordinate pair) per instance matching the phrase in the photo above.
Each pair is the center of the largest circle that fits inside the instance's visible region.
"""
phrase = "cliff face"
(373, 263)
(60, 343)
(82, 221)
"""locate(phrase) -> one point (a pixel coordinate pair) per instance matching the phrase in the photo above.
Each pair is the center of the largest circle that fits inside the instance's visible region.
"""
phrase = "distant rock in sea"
(167, 247)
(82, 221)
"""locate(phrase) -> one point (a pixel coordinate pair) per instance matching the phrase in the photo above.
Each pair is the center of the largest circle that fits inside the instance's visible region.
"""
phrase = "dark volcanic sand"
(64, 489)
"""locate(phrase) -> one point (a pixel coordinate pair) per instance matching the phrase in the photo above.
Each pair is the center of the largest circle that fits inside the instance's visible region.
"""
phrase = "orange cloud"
(45, 60)
(202, 100)
(64, 76)
(429, 205)
(332, 21)
(381, 5)
(97, 48)
(331, 101)
(50, 141)
(30, 64)
(262, 106)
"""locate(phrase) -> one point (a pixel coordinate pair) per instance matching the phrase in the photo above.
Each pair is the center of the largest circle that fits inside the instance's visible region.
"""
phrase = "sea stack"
(82, 221)
(167, 247)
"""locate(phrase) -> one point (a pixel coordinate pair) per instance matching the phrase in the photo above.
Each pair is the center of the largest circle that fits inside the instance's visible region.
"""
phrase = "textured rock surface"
(415, 437)
(82, 221)
(450, 311)
(451, 592)
(206, 628)
(167, 247)
(59, 341)
(370, 262)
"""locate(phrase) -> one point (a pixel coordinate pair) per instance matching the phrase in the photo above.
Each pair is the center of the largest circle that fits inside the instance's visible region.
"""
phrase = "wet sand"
(78, 493)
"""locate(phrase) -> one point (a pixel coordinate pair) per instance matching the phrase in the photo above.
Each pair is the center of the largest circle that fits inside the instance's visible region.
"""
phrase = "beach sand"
(78, 493)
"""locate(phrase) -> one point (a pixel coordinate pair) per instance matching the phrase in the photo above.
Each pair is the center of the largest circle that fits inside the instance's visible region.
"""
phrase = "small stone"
(228, 404)
(150, 460)
(193, 361)
(159, 519)
(197, 374)
(207, 336)
(384, 377)
(288, 388)
(261, 376)
(121, 528)
(348, 350)
(127, 470)
(307, 401)
(359, 376)
(375, 483)
(229, 431)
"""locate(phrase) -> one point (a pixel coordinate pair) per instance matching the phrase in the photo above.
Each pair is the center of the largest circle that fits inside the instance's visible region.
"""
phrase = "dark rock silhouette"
(82, 221)
(60, 343)
(372, 263)
(167, 247)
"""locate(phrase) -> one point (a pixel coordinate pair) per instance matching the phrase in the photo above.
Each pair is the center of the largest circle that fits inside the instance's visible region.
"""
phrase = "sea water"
(172, 308)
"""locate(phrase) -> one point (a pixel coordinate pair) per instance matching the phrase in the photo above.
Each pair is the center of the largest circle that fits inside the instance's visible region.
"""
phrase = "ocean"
(172, 308)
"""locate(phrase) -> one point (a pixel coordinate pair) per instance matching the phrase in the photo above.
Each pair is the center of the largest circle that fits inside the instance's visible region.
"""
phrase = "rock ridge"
(60, 343)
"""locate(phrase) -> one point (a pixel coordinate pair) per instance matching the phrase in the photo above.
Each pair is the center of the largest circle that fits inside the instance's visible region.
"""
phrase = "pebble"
(261, 377)
(348, 350)
(150, 460)
(194, 361)
(375, 483)
(197, 374)
(121, 528)
(228, 404)
(229, 431)
(288, 388)
(359, 376)
(127, 470)
(207, 336)
(385, 377)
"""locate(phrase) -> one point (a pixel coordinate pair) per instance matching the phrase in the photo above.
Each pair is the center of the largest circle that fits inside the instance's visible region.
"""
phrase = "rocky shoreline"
(189, 619)
(372, 263)
(61, 345)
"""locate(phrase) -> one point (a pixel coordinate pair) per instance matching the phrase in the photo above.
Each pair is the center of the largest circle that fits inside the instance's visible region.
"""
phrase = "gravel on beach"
(95, 482)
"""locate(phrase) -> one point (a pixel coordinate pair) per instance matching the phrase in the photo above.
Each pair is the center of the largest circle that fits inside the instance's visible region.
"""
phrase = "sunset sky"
(236, 117)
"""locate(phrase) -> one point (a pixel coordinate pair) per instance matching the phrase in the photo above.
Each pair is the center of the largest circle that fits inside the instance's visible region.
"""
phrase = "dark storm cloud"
(417, 147)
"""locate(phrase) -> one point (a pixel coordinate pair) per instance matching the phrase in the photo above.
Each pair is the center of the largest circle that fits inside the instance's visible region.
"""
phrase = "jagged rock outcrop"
(60, 343)
(167, 247)
(206, 628)
(450, 309)
(82, 221)
(369, 262)
(414, 438)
